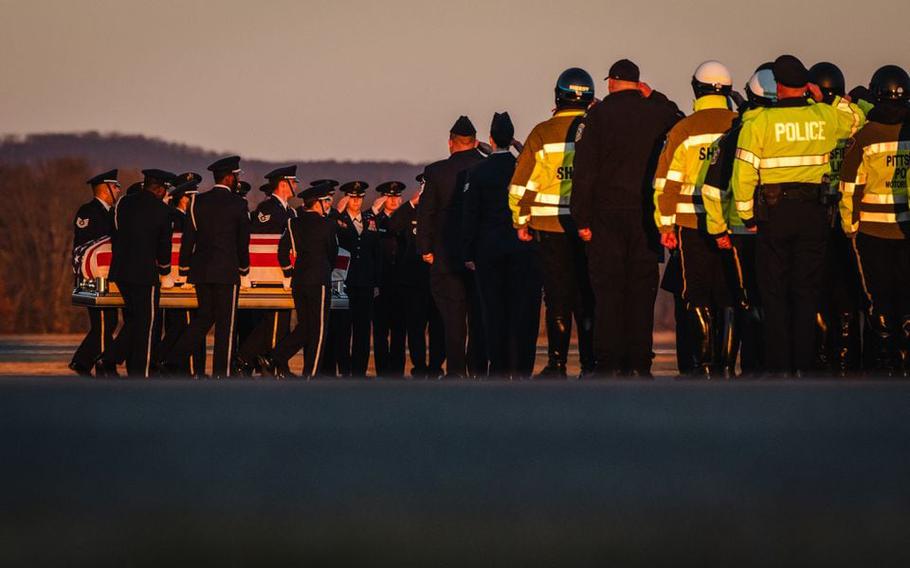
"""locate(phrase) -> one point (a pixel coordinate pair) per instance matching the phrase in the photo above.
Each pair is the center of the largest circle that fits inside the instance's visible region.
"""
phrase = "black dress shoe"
(242, 367)
(80, 370)
(270, 366)
(552, 372)
(105, 369)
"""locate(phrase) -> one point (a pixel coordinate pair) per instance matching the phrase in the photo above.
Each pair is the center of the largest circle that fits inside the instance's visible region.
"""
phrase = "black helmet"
(829, 79)
(890, 83)
(574, 88)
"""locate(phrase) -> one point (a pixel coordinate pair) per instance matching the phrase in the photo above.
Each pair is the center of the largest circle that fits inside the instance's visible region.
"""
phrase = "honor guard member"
(270, 218)
(176, 320)
(779, 182)
(728, 231)
(388, 315)
(505, 267)
(612, 205)
(140, 266)
(215, 258)
(358, 234)
(422, 320)
(539, 198)
(244, 320)
(313, 242)
(93, 221)
(679, 213)
(439, 242)
(838, 338)
(875, 217)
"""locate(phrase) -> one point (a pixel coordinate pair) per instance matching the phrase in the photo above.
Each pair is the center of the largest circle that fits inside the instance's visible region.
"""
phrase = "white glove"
(286, 283)
(245, 282)
(167, 282)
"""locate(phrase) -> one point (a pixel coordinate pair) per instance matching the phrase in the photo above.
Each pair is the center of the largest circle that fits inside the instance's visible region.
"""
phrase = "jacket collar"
(793, 102)
(710, 102)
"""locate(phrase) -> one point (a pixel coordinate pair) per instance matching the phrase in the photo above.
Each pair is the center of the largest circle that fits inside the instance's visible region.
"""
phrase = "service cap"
(624, 70)
(227, 164)
(390, 188)
(106, 177)
(354, 188)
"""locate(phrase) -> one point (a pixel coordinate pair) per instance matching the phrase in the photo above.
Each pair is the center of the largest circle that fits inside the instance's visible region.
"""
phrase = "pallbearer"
(93, 221)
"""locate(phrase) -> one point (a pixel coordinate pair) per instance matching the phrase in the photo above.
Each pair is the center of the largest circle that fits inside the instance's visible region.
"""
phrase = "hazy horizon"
(282, 80)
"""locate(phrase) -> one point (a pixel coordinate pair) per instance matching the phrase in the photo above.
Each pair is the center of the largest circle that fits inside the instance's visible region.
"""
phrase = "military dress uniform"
(875, 215)
(388, 316)
(141, 256)
(439, 220)
(615, 158)
(270, 218)
(506, 269)
(679, 207)
(359, 235)
(214, 255)
(93, 221)
(779, 180)
(176, 320)
(423, 322)
(312, 240)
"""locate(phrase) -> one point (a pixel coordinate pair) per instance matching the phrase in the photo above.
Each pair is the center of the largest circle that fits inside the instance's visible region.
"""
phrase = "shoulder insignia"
(579, 132)
(263, 218)
(82, 223)
(467, 186)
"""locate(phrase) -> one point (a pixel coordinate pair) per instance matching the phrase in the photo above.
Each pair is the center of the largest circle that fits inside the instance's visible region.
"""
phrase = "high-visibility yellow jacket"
(684, 161)
(721, 216)
(874, 179)
(837, 155)
(789, 143)
(541, 187)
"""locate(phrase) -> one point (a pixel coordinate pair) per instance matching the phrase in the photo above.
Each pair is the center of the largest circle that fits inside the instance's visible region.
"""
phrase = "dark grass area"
(241, 473)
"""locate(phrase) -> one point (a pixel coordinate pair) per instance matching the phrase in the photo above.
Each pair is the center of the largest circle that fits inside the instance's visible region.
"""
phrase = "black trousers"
(312, 304)
(790, 258)
(389, 331)
(455, 295)
(218, 307)
(705, 270)
(176, 322)
(136, 339)
(355, 338)
(623, 265)
(102, 325)
(885, 270)
(424, 329)
(567, 292)
(509, 289)
(269, 327)
(750, 313)
(336, 348)
(672, 283)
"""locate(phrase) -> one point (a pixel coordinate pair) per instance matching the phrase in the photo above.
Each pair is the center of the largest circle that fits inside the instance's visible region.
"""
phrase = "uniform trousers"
(136, 339)
(455, 295)
(312, 304)
(389, 331)
(218, 307)
(425, 331)
(102, 325)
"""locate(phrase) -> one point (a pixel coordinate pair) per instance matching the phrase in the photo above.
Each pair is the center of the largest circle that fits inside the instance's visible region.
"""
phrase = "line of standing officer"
(94, 220)
(388, 316)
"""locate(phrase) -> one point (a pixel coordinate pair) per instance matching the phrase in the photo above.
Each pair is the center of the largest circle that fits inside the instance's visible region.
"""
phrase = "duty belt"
(772, 193)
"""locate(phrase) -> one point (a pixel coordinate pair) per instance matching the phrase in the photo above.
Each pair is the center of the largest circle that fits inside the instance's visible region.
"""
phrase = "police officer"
(612, 206)
(312, 239)
(439, 242)
(726, 227)
(504, 266)
(422, 318)
(388, 317)
(838, 337)
(539, 197)
(140, 266)
(271, 217)
(784, 161)
(215, 258)
(176, 320)
(359, 235)
(680, 216)
(875, 217)
(93, 221)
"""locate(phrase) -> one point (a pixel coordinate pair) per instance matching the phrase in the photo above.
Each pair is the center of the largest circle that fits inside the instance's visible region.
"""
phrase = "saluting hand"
(470, 265)
(585, 235)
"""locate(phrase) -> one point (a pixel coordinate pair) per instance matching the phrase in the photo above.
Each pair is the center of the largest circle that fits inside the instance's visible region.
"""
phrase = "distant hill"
(136, 152)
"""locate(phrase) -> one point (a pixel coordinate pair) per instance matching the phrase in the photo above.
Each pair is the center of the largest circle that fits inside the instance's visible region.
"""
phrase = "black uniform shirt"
(388, 249)
(312, 239)
(410, 268)
(141, 243)
(93, 220)
(487, 220)
(364, 249)
(215, 247)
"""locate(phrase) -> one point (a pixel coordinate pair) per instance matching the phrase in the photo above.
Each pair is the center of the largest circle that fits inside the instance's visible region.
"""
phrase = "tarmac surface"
(171, 472)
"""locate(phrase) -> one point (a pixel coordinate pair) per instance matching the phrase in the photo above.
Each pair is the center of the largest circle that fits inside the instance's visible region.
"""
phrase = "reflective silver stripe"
(689, 208)
(847, 188)
(674, 175)
(193, 210)
(884, 198)
(744, 206)
(231, 336)
(523, 219)
(667, 220)
(871, 217)
(321, 325)
(886, 147)
(793, 161)
(659, 183)
(687, 189)
(517, 190)
(701, 140)
(533, 185)
(148, 350)
(550, 199)
(747, 157)
(548, 210)
(556, 147)
(711, 192)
